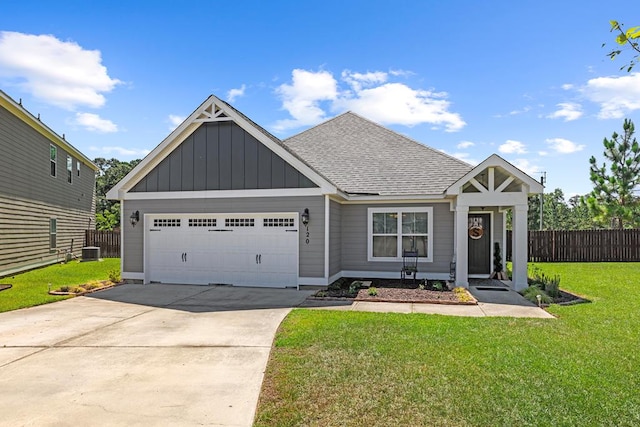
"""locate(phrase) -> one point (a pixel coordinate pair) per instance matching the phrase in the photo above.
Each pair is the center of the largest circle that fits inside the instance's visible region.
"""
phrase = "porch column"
(461, 248)
(519, 244)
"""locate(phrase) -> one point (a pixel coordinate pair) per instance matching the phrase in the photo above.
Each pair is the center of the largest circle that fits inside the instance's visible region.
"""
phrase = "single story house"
(222, 201)
(47, 192)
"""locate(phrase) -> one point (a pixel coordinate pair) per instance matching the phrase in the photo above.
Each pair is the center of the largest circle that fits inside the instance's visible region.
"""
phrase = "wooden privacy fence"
(582, 245)
(107, 241)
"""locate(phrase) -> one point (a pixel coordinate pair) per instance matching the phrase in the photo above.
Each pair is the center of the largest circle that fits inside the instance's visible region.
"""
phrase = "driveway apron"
(140, 355)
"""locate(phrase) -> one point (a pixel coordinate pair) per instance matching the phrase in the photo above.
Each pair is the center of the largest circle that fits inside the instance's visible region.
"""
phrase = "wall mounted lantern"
(134, 218)
(305, 216)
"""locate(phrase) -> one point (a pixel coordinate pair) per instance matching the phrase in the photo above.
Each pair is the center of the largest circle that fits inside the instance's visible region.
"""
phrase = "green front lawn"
(31, 288)
(331, 368)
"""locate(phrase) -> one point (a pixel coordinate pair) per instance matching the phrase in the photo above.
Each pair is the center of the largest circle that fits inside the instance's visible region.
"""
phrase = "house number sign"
(306, 237)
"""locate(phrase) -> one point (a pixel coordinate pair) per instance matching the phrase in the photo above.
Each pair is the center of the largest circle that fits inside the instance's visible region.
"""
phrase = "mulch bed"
(389, 290)
(412, 295)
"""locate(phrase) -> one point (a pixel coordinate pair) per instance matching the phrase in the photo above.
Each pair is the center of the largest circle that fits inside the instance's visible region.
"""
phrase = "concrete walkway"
(152, 355)
(498, 301)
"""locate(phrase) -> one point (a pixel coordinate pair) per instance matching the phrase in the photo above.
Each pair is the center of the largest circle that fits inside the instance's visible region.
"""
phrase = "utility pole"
(543, 179)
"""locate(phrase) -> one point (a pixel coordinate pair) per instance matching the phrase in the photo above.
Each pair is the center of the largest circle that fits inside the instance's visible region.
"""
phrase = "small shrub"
(532, 292)
(337, 285)
(64, 289)
(373, 291)
(114, 276)
(422, 286)
(462, 294)
(321, 294)
(353, 289)
(552, 286)
(437, 286)
(77, 289)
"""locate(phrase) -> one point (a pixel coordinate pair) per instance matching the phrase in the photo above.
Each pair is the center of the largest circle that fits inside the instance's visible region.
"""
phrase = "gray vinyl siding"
(24, 232)
(335, 238)
(30, 196)
(354, 239)
(221, 156)
(25, 169)
(311, 255)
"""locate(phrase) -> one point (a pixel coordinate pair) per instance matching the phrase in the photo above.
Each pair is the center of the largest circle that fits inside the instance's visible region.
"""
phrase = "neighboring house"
(47, 192)
(222, 201)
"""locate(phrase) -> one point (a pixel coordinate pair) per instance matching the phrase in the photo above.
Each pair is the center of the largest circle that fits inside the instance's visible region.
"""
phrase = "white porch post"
(461, 248)
(519, 243)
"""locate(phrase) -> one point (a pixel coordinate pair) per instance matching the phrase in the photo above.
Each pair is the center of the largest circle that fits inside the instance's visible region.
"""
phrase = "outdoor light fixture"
(305, 216)
(134, 218)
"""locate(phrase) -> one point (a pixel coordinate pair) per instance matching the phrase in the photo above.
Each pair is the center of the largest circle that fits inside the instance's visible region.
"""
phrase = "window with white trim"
(394, 230)
(53, 233)
(78, 168)
(53, 156)
(69, 169)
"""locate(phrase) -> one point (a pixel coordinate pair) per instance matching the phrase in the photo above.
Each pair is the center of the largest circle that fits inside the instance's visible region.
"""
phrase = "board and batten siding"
(354, 239)
(221, 156)
(311, 255)
(30, 197)
(335, 238)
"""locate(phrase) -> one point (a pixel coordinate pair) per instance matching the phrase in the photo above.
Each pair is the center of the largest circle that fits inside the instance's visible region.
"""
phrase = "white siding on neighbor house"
(311, 255)
(354, 239)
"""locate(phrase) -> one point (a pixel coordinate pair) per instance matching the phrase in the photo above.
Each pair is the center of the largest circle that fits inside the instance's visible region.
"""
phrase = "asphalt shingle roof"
(362, 157)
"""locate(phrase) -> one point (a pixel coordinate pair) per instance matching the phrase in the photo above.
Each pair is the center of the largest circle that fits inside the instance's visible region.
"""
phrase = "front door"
(479, 236)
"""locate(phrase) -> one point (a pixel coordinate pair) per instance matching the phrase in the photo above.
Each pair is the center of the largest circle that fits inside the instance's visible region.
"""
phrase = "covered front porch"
(487, 192)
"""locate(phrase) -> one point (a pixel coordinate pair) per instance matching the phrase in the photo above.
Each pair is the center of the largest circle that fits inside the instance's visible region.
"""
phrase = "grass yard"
(331, 368)
(31, 288)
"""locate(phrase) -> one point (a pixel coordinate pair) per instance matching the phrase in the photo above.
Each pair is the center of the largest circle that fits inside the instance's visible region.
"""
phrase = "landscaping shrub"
(373, 291)
(532, 292)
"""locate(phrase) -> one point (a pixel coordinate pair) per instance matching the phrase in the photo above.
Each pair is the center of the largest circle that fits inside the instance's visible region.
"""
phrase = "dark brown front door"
(479, 237)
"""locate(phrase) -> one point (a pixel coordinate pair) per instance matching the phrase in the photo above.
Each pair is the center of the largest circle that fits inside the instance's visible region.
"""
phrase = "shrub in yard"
(462, 294)
(114, 276)
(532, 292)
(373, 291)
(437, 286)
(552, 286)
(321, 294)
(64, 289)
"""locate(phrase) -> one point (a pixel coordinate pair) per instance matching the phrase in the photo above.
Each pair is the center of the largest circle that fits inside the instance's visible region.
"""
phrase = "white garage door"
(241, 250)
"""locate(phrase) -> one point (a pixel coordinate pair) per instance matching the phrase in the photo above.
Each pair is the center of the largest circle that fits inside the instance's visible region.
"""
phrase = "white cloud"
(358, 80)
(564, 146)
(568, 111)
(465, 144)
(617, 96)
(396, 103)
(302, 98)
(94, 123)
(175, 121)
(60, 73)
(233, 94)
(369, 94)
(401, 73)
(526, 166)
(567, 86)
(543, 153)
(512, 147)
(129, 152)
(526, 109)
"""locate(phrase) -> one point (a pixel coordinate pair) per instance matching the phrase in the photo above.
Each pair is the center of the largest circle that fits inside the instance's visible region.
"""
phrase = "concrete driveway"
(140, 355)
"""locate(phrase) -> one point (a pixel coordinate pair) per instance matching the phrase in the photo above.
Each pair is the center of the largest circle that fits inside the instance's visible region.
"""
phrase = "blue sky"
(528, 80)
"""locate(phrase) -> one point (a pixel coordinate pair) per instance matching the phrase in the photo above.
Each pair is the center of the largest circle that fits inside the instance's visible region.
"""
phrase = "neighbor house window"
(53, 232)
(53, 154)
(394, 230)
(78, 167)
(69, 169)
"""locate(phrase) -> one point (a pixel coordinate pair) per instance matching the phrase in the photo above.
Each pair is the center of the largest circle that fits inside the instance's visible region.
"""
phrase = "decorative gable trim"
(530, 185)
(213, 110)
